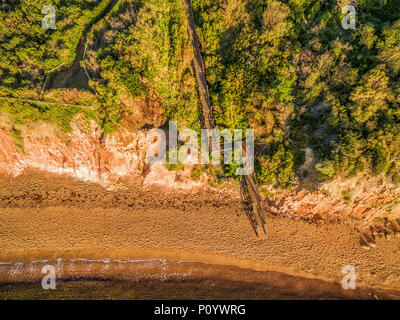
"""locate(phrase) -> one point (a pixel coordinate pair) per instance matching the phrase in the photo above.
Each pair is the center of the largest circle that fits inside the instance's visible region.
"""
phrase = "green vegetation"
(19, 141)
(290, 71)
(142, 52)
(28, 51)
(285, 68)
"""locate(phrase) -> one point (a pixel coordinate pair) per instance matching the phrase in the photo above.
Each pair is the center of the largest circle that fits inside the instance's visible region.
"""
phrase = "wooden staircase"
(250, 195)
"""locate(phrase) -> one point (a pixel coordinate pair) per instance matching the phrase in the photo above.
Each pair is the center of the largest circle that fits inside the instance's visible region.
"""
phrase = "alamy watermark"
(349, 280)
(49, 21)
(349, 21)
(193, 152)
(49, 280)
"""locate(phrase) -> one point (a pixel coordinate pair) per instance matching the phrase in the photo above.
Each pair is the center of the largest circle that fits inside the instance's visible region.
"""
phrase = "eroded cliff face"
(361, 200)
(88, 154)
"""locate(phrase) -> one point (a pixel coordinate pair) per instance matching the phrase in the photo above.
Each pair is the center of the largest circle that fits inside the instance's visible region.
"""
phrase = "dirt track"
(46, 217)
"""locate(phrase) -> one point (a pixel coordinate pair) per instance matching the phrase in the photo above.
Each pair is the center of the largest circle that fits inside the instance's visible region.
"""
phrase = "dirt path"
(47, 217)
(46, 102)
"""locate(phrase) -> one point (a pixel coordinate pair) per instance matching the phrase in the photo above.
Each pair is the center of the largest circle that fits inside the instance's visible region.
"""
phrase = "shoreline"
(81, 271)
(164, 265)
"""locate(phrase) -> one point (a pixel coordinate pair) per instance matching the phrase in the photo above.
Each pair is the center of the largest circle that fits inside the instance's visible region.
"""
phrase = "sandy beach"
(45, 217)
